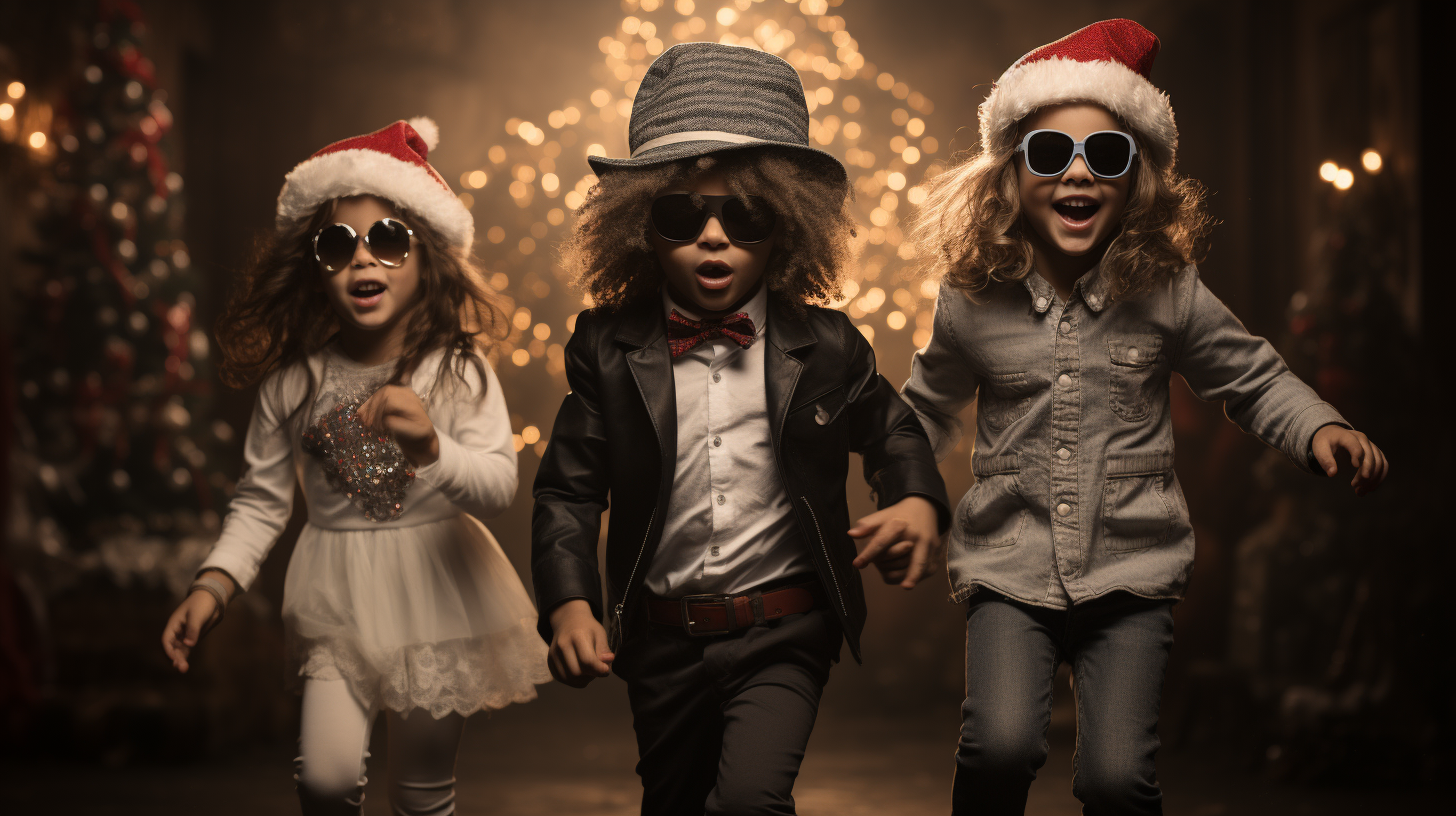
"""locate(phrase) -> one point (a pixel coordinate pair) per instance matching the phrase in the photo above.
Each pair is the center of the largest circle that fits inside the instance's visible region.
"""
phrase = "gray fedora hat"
(706, 97)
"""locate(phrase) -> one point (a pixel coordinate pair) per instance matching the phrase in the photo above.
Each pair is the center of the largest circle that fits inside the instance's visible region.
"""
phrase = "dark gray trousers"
(722, 721)
(1118, 646)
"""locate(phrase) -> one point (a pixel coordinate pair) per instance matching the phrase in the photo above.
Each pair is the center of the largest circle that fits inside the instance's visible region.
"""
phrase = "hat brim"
(689, 150)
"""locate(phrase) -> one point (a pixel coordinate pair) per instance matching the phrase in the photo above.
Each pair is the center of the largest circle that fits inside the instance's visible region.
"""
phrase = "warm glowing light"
(1329, 170)
(1371, 161)
(520, 357)
(467, 200)
(522, 318)
(899, 143)
(7, 111)
(896, 181)
(15, 90)
(477, 179)
(895, 320)
(497, 154)
(1344, 179)
(851, 130)
(824, 95)
(930, 144)
(530, 434)
(556, 216)
(885, 81)
(541, 331)
(868, 332)
(929, 288)
(879, 217)
(495, 235)
(526, 245)
(890, 201)
(572, 115)
(550, 183)
(630, 25)
(601, 97)
(595, 150)
(556, 119)
(573, 199)
(911, 155)
(37, 140)
(915, 126)
(727, 16)
(684, 7)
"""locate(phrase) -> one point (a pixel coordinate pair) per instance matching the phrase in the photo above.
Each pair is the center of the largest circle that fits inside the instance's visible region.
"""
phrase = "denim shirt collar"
(1092, 287)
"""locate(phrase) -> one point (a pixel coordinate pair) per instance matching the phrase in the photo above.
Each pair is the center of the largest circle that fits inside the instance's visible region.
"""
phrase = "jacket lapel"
(787, 333)
(644, 330)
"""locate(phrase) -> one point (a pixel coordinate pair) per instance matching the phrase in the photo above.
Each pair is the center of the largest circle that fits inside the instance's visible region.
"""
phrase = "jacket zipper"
(839, 596)
(622, 602)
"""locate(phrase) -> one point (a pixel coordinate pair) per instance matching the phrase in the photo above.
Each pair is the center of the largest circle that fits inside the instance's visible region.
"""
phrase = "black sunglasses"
(388, 241)
(679, 217)
(1108, 153)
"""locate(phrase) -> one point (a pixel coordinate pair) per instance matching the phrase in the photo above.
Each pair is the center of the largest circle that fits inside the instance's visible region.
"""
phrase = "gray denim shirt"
(1075, 493)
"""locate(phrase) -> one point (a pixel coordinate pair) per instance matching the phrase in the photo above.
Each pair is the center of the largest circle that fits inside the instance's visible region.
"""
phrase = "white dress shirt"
(730, 526)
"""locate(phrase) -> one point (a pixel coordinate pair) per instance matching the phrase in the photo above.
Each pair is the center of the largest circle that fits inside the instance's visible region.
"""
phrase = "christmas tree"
(111, 440)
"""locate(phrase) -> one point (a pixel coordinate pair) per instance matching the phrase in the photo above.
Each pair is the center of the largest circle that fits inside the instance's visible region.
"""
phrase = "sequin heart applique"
(367, 467)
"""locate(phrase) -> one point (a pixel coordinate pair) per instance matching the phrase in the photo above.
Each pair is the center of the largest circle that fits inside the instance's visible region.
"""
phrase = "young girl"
(366, 323)
(1070, 298)
(715, 407)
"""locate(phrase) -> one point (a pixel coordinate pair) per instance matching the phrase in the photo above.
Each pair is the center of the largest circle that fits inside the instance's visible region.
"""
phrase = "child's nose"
(362, 255)
(1078, 171)
(713, 235)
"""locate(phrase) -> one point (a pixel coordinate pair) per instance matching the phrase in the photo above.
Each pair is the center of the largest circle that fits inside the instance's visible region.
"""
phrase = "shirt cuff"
(438, 473)
(1300, 439)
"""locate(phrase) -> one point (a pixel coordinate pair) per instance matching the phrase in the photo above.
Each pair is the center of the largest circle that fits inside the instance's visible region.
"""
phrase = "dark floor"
(572, 752)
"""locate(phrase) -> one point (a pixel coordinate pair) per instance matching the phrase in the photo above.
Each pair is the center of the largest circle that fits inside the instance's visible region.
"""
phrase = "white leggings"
(333, 744)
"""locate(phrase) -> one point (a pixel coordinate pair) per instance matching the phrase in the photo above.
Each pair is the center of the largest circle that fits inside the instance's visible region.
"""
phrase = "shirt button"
(713, 550)
(1066, 328)
(1092, 301)
(1064, 509)
(717, 441)
(721, 499)
(1064, 380)
(1132, 353)
(1041, 303)
(717, 377)
(1064, 454)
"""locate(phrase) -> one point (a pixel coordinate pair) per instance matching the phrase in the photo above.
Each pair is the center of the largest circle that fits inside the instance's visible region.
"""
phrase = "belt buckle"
(689, 624)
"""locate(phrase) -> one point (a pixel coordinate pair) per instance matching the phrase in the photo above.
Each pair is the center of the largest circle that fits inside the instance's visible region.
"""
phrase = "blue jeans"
(1118, 647)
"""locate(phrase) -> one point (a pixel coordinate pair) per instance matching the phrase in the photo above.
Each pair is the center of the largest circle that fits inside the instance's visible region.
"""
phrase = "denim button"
(717, 377)
(717, 441)
(1064, 454)
(1132, 353)
(1064, 509)
(821, 416)
(1041, 303)
(1066, 328)
(721, 499)
(1064, 380)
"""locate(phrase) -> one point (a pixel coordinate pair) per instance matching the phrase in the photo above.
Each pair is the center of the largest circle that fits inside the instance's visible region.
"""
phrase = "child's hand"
(1369, 462)
(578, 652)
(398, 410)
(194, 616)
(904, 541)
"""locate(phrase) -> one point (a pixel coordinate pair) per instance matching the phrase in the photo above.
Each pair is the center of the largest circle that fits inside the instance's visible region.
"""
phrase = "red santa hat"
(1107, 63)
(390, 163)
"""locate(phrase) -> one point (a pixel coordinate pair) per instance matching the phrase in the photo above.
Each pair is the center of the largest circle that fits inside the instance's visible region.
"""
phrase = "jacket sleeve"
(571, 490)
(1222, 361)
(264, 499)
(477, 465)
(941, 385)
(898, 461)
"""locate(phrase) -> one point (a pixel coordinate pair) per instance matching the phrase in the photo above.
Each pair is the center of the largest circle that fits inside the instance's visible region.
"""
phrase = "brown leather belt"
(722, 614)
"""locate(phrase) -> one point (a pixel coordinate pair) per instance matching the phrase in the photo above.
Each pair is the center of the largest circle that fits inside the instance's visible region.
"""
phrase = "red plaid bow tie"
(684, 334)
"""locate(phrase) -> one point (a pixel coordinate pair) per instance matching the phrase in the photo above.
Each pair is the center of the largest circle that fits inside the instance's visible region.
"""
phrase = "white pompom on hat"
(391, 163)
(1107, 63)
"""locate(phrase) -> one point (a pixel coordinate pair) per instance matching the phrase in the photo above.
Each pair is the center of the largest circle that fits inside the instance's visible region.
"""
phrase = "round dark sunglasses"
(1108, 153)
(387, 239)
(679, 217)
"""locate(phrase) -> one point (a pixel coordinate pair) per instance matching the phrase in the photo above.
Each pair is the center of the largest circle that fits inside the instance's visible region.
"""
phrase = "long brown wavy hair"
(279, 312)
(612, 257)
(970, 228)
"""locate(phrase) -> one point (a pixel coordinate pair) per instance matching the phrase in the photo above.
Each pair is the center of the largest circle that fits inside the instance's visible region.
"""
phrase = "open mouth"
(1077, 211)
(714, 275)
(367, 293)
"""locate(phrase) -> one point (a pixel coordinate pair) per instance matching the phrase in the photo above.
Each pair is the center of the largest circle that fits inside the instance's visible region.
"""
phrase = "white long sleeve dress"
(394, 585)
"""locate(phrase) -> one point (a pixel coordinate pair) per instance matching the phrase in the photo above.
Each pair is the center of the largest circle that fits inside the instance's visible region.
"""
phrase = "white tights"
(333, 744)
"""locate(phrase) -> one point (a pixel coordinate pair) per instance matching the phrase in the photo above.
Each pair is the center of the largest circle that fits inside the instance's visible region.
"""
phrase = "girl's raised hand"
(1369, 462)
(194, 616)
(399, 411)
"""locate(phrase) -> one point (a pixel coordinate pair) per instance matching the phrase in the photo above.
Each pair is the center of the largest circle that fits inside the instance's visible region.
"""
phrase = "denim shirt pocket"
(1133, 375)
(1005, 398)
(993, 514)
(1137, 513)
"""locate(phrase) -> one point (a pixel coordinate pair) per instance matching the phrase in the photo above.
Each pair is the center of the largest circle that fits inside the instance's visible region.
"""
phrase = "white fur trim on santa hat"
(428, 130)
(359, 172)
(1024, 88)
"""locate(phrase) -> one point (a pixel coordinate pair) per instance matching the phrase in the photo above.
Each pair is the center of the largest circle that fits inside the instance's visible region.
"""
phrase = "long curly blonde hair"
(970, 229)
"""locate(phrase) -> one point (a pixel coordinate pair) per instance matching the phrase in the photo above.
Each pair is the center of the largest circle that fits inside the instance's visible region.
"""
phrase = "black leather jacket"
(616, 435)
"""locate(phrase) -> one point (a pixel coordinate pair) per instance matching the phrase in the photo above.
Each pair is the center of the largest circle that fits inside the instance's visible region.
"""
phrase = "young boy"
(717, 410)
